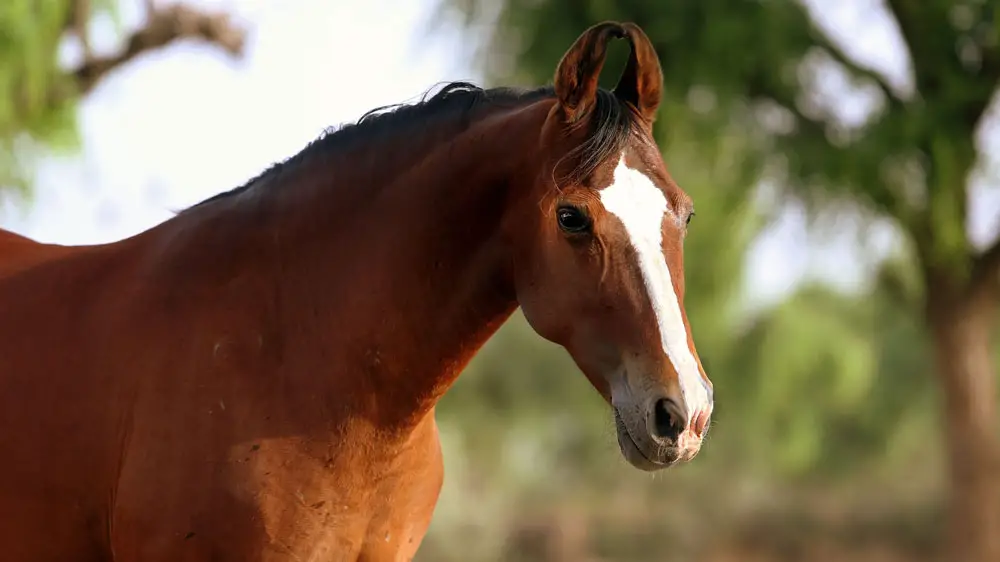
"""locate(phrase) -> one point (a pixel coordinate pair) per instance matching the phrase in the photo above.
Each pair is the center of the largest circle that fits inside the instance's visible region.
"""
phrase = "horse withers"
(255, 379)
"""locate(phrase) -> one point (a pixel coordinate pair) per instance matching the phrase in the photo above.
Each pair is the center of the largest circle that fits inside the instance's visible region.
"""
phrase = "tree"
(756, 66)
(38, 96)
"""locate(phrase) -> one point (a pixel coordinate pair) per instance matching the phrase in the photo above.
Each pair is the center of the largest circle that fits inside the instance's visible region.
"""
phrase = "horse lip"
(624, 430)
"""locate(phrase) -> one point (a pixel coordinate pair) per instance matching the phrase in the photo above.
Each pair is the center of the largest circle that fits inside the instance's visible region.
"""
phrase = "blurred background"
(843, 271)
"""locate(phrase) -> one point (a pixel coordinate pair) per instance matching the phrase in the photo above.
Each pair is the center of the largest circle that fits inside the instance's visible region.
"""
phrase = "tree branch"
(893, 101)
(163, 27)
(938, 69)
(810, 144)
(928, 52)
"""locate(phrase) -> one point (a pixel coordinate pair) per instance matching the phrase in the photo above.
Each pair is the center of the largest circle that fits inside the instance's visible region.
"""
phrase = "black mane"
(612, 125)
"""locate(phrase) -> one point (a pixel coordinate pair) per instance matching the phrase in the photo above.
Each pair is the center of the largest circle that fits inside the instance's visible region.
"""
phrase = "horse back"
(19, 252)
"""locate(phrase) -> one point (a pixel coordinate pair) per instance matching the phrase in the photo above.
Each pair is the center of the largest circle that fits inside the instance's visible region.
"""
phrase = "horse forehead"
(635, 198)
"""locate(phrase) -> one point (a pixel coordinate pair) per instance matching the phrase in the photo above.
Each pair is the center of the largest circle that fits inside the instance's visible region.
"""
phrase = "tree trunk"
(962, 329)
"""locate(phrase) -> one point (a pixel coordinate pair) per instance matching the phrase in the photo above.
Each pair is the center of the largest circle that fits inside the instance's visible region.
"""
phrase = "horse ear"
(641, 83)
(578, 71)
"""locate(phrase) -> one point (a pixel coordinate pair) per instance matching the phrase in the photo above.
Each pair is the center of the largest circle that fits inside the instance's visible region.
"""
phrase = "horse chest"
(356, 509)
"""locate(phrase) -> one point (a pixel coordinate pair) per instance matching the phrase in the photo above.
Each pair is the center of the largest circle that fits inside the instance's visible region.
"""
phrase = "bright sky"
(184, 123)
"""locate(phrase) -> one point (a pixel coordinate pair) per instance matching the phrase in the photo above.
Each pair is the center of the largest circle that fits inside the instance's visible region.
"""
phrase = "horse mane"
(612, 125)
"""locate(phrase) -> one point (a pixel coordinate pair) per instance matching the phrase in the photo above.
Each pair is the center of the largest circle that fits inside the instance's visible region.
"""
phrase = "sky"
(181, 124)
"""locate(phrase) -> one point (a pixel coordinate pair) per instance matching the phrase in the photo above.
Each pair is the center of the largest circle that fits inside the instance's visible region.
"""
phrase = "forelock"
(613, 125)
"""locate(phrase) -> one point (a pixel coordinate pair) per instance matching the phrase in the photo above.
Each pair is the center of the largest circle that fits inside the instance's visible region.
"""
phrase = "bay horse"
(255, 378)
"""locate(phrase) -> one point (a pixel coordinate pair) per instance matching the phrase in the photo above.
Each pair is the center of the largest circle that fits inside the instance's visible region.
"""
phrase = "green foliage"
(37, 96)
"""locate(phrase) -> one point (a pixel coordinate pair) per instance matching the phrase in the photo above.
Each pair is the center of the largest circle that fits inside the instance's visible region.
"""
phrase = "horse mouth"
(633, 453)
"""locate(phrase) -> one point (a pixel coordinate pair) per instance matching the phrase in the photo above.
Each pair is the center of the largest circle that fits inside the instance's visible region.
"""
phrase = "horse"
(255, 378)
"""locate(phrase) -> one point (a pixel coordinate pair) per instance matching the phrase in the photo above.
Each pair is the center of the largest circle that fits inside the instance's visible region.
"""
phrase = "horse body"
(202, 417)
(255, 379)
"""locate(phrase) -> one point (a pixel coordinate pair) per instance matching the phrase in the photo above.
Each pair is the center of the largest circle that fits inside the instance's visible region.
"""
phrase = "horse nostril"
(669, 420)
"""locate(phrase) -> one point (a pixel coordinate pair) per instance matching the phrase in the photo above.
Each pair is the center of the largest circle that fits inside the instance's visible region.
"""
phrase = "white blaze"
(641, 207)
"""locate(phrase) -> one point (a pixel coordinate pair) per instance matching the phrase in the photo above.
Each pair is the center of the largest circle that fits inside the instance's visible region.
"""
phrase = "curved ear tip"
(616, 28)
(620, 30)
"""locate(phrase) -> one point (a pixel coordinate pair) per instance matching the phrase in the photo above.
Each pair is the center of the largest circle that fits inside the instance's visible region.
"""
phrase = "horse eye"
(572, 220)
(689, 218)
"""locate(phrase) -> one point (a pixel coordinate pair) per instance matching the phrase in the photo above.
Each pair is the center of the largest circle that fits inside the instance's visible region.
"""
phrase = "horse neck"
(411, 278)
